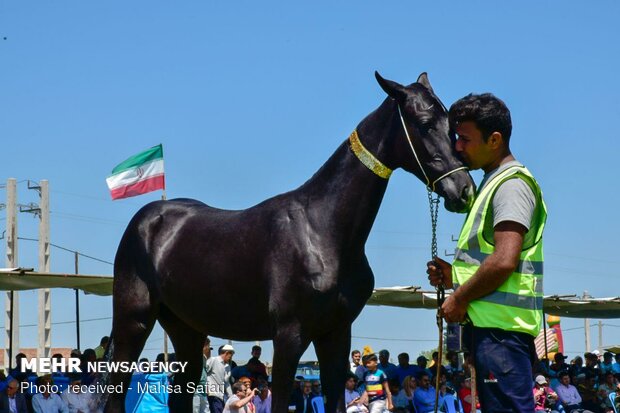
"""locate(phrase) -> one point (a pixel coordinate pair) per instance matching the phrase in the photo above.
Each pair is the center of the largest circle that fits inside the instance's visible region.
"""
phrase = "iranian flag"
(138, 175)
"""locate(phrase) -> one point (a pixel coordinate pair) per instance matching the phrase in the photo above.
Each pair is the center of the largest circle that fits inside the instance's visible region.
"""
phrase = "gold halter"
(367, 158)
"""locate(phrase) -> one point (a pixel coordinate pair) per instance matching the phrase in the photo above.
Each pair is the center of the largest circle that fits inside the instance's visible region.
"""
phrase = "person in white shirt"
(356, 358)
(75, 399)
(47, 402)
(240, 400)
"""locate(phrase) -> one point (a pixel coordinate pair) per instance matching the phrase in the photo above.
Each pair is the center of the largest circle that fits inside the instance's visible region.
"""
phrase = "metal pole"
(45, 300)
(163, 198)
(586, 322)
(11, 335)
(545, 335)
(77, 303)
(12, 299)
(600, 336)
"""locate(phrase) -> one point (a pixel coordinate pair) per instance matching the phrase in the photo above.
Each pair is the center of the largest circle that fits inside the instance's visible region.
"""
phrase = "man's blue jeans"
(503, 362)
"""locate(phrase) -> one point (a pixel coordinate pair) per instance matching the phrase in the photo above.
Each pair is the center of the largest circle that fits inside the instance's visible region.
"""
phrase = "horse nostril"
(467, 194)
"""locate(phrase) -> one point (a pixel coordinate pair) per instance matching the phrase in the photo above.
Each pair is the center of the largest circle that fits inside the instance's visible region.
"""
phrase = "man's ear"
(496, 140)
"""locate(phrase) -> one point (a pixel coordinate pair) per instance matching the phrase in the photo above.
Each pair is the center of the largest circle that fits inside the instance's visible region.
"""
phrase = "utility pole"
(586, 322)
(12, 297)
(600, 336)
(45, 302)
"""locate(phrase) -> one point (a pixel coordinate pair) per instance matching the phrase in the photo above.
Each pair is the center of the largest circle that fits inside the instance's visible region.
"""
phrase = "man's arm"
(493, 272)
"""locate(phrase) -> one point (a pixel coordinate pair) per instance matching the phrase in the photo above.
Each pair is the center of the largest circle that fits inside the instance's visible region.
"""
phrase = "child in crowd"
(399, 400)
(352, 399)
(377, 389)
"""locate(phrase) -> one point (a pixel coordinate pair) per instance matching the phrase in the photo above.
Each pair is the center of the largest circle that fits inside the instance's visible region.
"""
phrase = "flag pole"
(163, 198)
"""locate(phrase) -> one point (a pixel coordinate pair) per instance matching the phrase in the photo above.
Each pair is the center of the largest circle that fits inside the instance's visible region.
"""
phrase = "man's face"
(12, 388)
(471, 146)
(403, 361)
(565, 380)
(356, 358)
(307, 387)
(256, 353)
(227, 356)
(425, 382)
(206, 350)
(422, 363)
(383, 358)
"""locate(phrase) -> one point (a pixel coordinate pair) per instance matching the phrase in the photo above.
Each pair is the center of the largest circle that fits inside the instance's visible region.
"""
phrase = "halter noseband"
(381, 170)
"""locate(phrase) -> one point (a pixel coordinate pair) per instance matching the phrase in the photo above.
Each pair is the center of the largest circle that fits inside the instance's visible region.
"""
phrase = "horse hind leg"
(188, 345)
(133, 320)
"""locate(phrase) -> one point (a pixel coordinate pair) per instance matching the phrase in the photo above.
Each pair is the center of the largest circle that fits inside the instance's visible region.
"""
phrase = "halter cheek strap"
(379, 169)
(429, 184)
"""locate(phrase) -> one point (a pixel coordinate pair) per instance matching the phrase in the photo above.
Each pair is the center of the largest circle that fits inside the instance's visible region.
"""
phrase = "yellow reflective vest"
(517, 304)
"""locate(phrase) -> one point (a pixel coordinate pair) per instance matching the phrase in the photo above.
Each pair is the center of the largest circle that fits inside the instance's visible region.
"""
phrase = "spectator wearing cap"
(608, 363)
(201, 404)
(217, 370)
(376, 386)
(544, 397)
(559, 363)
(384, 364)
(422, 362)
(568, 394)
(465, 395)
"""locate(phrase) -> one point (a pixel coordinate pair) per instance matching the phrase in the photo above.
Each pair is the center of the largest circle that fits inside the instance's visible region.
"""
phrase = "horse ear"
(423, 80)
(393, 89)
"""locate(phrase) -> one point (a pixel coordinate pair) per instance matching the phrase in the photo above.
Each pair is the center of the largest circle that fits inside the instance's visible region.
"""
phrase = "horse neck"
(345, 194)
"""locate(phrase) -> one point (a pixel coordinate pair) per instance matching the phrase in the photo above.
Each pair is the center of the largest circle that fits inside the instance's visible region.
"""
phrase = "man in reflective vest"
(497, 273)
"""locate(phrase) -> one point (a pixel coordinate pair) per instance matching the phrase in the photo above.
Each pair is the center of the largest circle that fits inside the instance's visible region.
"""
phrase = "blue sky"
(249, 99)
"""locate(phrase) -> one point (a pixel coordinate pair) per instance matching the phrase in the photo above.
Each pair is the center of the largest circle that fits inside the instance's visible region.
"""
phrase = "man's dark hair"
(489, 113)
(404, 356)
(563, 373)
(104, 340)
(355, 352)
(256, 347)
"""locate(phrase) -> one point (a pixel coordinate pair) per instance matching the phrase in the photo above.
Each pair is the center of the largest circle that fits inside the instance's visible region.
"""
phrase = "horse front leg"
(288, 346)
(332, 349)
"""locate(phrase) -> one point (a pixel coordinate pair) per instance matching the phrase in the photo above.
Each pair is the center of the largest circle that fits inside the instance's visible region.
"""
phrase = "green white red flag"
(139, 174)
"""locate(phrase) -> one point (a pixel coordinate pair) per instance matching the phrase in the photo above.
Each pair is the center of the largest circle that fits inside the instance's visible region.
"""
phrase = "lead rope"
(441, 294)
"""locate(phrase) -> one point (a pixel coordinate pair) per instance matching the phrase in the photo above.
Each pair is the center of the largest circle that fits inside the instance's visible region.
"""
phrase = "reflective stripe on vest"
(517, 304)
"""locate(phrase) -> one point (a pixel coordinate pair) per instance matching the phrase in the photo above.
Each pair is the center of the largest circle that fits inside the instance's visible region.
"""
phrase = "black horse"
(296, 261)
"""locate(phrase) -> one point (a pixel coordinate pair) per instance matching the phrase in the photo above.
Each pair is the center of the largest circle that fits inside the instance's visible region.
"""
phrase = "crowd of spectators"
(374, 385)
(557, 387)
(14, 400)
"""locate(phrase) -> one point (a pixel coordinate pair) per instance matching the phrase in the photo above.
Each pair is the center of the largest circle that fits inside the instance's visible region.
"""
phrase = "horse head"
(424, 145)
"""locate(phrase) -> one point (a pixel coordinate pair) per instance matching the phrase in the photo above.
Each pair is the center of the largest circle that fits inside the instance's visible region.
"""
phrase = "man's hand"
(439, 272)
(454, 309)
